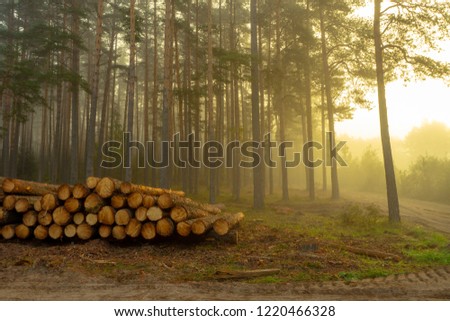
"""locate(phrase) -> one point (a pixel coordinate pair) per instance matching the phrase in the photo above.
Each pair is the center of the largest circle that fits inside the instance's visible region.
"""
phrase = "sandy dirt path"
(430, 214)
(36, 285)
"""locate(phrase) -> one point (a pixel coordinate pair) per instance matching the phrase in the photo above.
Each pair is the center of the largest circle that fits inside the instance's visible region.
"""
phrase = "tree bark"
(226, 222)
(258, 169)
(75, 95)
(309, 117)
(90, 137)
(391, 186)
(167, 91)
(18, 186)
(131, 87)
(330, 108)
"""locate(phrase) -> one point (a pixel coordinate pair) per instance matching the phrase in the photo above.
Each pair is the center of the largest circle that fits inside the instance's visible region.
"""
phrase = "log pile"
(105, 208)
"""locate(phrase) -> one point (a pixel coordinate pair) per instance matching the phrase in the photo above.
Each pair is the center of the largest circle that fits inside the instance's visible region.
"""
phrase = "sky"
(408, 106)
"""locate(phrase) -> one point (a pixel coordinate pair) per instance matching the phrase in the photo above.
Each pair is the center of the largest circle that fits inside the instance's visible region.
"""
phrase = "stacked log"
(106, 208)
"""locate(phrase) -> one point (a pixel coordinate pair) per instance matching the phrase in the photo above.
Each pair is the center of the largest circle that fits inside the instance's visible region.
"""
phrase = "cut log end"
(106, 216)
(141, 214)
(55, 231)
(49, 202)
(165, 201)
(118, 201)
(148, 201)
(85, 231)
(61, 216)
(40, 232)
(80, 191)
(148, 231)
(118, 232)
(64, 192)
(155, 213)
(78, 218)
(30, 218)
(123, 217)
(92, 219)
(91, 182)
(178, 214)
(70, 231)
(105, 231)
(22, 231)
(9, 231)
(22, 205)
(165, 227)
(93, 203)
(134, 200)
(73, 205)
(184, 229)
(106, 187)
(133, 228)
(45, 218)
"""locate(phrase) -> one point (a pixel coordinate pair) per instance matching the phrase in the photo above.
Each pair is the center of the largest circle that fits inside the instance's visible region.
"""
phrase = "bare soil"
(185, 270)
(430, 214)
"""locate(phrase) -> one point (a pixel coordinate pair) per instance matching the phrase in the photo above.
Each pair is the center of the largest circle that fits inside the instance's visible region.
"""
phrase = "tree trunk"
(210, 107)
(226, 222)
(307, 68)
(391, 186)
(279, 102)
(258, 169)
(106, 91)
(127, 188)
(131, 87)
(90, 137)
(167, 91)
(75, 95)
(330, 108)
(18, 186)
(146, 86)
(155, 88)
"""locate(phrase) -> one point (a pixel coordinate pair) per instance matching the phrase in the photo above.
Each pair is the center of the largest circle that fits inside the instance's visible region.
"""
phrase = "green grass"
(364, 274)
(267, 279)
(362, 225)
(429, 256)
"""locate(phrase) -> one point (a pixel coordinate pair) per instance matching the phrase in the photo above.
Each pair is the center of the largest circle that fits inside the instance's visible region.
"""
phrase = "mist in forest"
(76, 75)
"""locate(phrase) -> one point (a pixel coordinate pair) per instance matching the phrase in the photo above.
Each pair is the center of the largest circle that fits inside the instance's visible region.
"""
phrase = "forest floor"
(307, 241)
